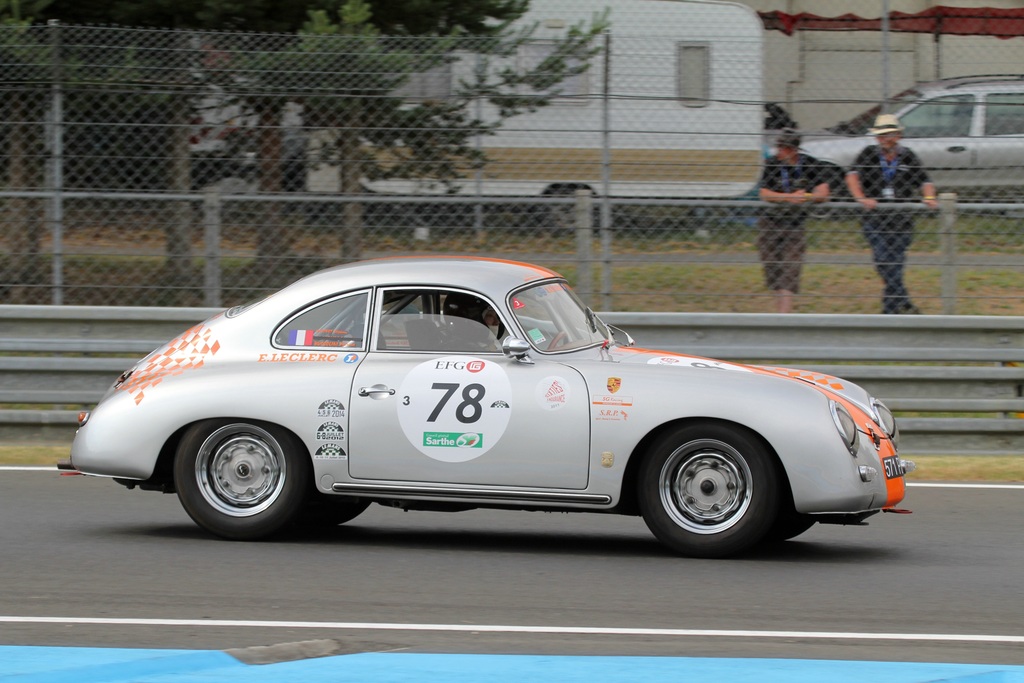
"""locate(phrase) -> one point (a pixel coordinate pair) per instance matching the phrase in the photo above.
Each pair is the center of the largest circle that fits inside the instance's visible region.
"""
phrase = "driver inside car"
(466, 323)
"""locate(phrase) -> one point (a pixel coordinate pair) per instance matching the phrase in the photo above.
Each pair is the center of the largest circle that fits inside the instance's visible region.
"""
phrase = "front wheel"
(241, 480)
(709, 490)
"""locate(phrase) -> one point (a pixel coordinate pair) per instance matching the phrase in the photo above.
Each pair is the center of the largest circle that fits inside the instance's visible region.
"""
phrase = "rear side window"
(574, 88)
(1004, 114)
(942, 117)
(336, 323)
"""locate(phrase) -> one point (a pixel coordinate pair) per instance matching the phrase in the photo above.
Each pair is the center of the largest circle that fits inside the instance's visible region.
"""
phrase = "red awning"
(960, 21)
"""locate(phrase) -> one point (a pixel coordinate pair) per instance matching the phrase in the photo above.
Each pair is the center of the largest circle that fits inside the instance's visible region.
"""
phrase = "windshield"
(861, 123)
(555, 319)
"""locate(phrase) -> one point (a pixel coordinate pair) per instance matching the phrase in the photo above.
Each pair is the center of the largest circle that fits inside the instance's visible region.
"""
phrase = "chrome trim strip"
(492, 495)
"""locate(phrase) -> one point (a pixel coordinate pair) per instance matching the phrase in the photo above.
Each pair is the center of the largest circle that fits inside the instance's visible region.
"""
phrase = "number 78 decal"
(434, 402)
(466, 412)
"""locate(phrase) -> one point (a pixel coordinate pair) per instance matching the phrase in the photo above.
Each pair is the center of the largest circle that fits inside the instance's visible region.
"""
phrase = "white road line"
(495, 628)
(944, 485)
(912, 484)
(26, 468)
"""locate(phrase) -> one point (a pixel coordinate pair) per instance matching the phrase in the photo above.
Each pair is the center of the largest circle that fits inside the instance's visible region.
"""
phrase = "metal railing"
(955, 382)
(605, 259)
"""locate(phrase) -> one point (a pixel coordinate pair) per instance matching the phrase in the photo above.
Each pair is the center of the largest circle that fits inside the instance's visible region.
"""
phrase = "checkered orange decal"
(187, 352)
(822, 380)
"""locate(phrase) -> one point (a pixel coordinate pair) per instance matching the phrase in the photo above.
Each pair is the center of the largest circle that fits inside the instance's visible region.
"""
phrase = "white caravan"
(679, 114)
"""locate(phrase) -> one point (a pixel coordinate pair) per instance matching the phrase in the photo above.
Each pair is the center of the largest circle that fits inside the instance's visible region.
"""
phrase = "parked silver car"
(969, 133)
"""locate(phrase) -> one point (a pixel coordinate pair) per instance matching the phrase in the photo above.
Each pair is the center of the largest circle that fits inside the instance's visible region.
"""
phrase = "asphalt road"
(79, 554)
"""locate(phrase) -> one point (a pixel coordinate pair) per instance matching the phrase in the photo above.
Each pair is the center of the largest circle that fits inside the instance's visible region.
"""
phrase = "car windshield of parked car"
(862, 122)
(941, 117)
(555, 319)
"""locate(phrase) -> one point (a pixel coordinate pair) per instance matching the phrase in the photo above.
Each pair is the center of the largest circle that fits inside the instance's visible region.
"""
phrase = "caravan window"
(693, 74)
(573, 88)
(434, 84)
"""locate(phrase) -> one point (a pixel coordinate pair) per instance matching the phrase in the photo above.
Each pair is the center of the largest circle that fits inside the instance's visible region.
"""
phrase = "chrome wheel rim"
(240, 470)
(705, 486)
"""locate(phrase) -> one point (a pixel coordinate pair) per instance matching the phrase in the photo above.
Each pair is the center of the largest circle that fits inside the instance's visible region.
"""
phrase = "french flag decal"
(300, 338)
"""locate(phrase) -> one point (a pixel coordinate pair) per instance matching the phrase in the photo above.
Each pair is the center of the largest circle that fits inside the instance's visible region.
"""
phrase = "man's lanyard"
(889, 167)
(785, 174)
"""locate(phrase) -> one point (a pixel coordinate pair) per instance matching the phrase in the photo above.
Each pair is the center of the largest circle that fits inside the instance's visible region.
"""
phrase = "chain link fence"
(184, 168)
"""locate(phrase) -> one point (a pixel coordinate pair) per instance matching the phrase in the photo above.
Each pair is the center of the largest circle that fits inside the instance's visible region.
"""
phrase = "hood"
(827, 384)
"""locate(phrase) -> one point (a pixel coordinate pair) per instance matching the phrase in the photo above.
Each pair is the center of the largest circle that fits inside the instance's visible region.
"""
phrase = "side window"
(433, 84)
(693, 74)
(1004, 114)
(438, 321)
(572, 89)
(335, 323)
(942, 117)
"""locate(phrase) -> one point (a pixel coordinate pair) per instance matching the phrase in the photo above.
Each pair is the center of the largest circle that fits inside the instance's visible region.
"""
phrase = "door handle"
(956, 148)
(377, 391)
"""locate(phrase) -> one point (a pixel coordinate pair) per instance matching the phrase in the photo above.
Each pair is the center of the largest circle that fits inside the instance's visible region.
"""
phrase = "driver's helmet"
(463, 306)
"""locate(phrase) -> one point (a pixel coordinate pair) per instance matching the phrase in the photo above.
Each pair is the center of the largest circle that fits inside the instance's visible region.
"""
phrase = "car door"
(1001, 151)
(939, 131)
(451, 414)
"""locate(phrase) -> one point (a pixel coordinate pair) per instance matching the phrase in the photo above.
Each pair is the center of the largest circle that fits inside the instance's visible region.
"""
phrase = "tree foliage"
(343, 63)
(398, 17)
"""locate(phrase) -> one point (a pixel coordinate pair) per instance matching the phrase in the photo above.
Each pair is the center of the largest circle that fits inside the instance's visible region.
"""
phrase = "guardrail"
(955, 382)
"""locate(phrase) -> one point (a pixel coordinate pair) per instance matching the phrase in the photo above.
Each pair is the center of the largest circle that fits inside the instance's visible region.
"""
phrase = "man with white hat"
(885, 173)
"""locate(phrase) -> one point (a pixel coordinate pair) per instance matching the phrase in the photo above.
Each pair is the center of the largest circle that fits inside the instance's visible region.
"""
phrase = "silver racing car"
(458, 383)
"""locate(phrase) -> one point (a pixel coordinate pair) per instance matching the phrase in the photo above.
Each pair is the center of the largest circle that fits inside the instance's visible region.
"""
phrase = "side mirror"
(516, 348)
(619, 330)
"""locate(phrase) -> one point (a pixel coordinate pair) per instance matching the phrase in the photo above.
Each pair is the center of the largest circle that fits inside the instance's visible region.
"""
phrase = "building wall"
(822, 77)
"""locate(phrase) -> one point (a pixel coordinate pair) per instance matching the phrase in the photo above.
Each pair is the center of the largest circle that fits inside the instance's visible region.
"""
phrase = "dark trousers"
(890, 233)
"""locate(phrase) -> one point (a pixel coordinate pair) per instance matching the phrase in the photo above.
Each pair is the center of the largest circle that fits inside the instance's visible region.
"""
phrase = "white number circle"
(456, 408)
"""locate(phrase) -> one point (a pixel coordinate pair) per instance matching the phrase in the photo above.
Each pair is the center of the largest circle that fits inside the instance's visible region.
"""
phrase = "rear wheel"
(709, 490)
(241, 480)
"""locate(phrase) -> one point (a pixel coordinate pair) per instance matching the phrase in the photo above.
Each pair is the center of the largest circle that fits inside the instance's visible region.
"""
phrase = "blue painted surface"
(88, 665)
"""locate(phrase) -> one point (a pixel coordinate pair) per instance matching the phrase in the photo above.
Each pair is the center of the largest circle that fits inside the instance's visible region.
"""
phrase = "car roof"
(980, 83)
(489, 275)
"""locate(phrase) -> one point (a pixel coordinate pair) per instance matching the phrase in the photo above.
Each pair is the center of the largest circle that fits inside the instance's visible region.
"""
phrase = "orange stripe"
(895, 489)
(540, 270)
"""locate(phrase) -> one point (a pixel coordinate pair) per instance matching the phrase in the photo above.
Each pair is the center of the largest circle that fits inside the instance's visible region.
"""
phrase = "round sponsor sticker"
(456, 408)
(330, 431)
(552, 392)
(688, 362)
(332, 407)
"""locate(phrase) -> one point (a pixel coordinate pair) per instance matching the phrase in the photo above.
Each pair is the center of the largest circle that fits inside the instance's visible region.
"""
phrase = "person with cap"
(884, 173)
(791, 181)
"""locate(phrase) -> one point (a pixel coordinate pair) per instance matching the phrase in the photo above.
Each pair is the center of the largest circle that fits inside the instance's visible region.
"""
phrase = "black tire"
(709, 490)
(323, 511)
(241, 480)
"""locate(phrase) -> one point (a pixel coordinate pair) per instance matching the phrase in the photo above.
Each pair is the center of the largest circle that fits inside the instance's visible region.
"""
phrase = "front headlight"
(886, 421)
(846, 426)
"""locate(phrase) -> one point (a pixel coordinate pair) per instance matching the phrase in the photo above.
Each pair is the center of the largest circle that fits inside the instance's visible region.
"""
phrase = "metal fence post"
(584, 240)
(55, 166)
(211, 239)
(947, 232)
(606, 177)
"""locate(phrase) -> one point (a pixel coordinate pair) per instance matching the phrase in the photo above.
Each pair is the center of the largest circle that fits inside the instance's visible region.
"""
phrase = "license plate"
(893, 467)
